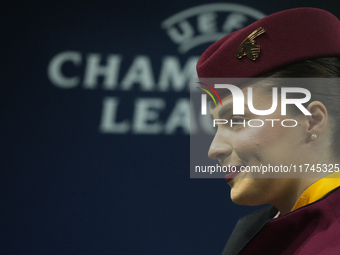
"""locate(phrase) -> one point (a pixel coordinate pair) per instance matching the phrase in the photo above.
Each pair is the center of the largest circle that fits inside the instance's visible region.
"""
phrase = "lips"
(233, 172)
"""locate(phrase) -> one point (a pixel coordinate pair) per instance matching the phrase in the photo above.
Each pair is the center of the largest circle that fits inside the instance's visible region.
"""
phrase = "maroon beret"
(274, 41)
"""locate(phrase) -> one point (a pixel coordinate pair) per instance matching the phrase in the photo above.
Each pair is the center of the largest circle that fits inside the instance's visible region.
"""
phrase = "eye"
(238, 122)
(237, 118)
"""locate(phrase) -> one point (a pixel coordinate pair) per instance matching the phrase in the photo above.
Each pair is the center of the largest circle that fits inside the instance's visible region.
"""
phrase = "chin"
(239, 200)
(245, 196)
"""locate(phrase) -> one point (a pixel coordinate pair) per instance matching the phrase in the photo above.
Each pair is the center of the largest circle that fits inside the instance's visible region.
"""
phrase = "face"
(252, 146)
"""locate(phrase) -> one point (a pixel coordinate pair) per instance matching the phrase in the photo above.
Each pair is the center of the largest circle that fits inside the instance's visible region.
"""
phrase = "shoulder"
(333, 200)
(313, 229)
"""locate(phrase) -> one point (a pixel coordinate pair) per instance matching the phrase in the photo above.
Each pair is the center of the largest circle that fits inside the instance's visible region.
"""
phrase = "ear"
(317, 122)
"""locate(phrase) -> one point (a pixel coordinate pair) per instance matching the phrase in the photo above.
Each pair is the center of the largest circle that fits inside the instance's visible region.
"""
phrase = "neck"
(292, 194)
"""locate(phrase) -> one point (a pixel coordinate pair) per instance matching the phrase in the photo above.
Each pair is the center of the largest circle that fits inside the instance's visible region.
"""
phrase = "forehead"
(261, 98)
(258, 88)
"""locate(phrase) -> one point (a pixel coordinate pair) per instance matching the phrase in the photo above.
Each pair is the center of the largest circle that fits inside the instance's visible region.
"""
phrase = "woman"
(305, 214)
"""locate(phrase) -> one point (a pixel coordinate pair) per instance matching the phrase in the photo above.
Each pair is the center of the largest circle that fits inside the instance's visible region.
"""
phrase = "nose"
(220, 148)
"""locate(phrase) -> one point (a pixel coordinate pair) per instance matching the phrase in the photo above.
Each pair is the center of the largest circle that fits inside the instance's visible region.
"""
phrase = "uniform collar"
(318, 190)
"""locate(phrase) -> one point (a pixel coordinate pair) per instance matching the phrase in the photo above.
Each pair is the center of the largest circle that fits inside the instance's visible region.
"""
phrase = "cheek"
(252, 140)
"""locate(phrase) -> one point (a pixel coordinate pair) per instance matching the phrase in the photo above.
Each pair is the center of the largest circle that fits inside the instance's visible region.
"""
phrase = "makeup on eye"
(232, 119)
(236, 118)
(237, 122)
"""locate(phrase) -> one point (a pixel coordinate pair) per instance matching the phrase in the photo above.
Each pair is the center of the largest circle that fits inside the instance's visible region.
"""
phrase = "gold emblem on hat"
(248, 47)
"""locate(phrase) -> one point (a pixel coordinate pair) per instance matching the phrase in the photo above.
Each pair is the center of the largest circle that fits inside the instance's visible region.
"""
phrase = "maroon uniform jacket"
(310, 230)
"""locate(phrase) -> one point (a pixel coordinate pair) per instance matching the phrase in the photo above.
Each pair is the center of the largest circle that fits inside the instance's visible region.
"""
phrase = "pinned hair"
(328, 92)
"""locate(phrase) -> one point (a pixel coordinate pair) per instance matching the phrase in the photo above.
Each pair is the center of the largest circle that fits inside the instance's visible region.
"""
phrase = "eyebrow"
(225, 109)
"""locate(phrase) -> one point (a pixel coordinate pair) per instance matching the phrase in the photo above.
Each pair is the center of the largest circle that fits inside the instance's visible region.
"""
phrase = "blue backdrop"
(94, 137)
